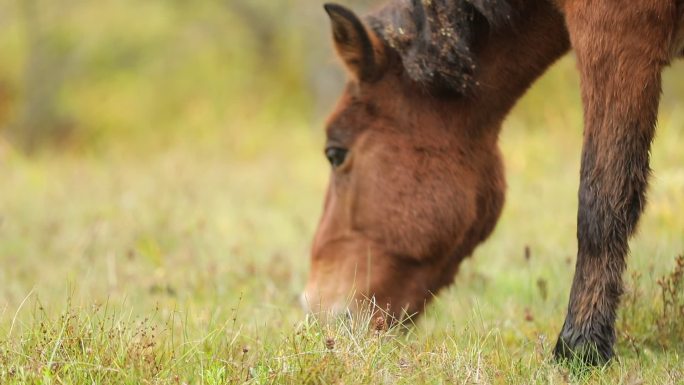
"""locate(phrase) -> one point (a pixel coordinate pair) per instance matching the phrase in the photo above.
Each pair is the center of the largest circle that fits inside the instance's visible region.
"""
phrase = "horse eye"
(336, 156)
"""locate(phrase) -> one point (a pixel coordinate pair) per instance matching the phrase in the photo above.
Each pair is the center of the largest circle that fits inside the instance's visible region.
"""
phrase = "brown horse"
(417, 179)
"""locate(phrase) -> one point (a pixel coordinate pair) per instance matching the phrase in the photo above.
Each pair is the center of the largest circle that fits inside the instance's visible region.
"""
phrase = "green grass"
(183, 266)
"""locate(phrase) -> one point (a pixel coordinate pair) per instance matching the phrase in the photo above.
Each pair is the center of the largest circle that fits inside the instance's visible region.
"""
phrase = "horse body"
(417, 180)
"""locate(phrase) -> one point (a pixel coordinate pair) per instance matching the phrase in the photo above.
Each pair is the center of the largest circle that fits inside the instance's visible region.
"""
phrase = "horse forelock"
(435, 38)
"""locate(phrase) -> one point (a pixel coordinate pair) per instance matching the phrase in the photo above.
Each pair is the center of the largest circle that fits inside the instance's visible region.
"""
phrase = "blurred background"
(166, 154)
(83, 76)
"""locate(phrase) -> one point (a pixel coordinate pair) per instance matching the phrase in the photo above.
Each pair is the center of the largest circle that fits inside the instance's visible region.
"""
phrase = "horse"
(417, 180)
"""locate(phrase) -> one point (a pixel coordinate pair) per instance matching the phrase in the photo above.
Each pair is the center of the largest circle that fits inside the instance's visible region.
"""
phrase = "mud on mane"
(436, 39)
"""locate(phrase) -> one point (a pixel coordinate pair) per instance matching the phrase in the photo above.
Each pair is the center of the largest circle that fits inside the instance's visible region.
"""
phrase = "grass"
(184, 265)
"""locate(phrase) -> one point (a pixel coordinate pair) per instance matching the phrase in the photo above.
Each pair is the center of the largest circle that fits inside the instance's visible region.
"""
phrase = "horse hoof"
(576, 347)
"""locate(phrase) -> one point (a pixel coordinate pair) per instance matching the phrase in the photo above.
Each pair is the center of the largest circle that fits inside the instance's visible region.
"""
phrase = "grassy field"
(183, 266)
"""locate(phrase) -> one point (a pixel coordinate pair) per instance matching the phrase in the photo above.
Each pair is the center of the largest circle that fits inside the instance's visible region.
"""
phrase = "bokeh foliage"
(87, 74)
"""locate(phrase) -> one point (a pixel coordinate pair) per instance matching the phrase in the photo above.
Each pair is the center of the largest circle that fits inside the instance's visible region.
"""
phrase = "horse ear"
(359, 48)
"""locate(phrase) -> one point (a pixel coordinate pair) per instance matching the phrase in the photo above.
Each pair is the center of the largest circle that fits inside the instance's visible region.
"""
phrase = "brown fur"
(422, 183)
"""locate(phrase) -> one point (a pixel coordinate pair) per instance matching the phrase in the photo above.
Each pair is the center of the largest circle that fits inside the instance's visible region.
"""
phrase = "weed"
(671, 322)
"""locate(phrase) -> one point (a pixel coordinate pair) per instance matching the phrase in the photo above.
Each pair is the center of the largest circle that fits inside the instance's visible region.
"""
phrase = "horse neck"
(512, 59)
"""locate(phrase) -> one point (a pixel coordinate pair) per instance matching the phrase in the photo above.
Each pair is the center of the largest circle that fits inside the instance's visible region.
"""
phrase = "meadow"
(168, 243)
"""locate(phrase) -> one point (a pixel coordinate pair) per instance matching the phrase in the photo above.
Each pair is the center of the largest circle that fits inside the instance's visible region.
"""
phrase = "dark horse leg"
(621, 48)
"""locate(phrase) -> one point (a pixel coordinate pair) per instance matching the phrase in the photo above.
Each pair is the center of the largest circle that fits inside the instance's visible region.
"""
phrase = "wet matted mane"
(435, 39)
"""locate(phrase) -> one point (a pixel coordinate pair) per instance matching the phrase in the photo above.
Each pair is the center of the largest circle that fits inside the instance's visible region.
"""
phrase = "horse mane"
(435, 39)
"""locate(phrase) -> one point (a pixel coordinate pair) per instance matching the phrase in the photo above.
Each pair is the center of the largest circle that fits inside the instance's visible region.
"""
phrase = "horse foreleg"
(621, 48)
